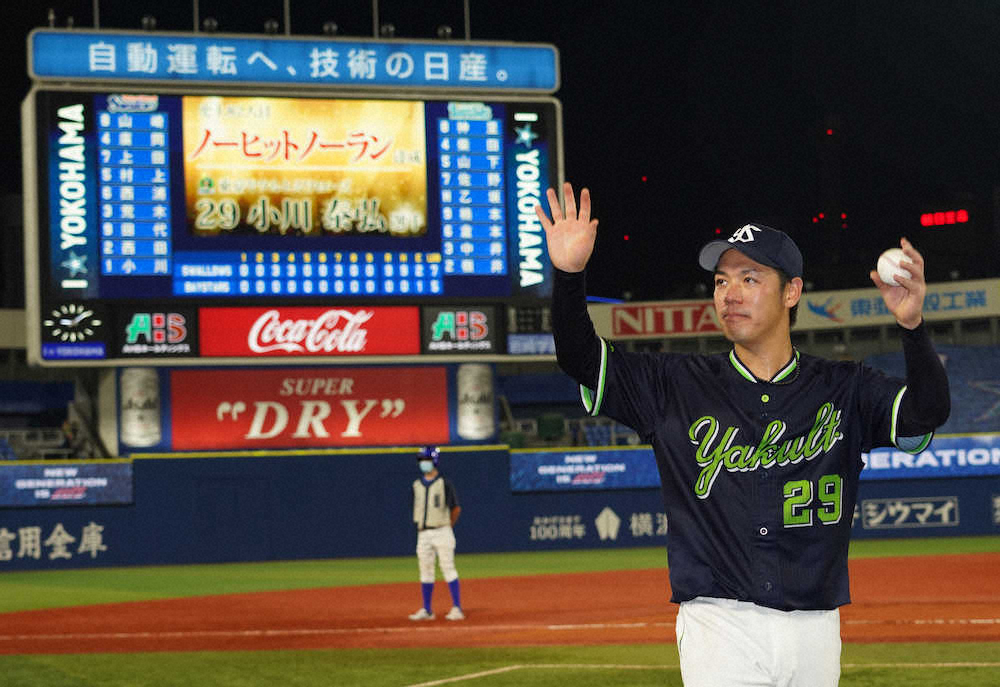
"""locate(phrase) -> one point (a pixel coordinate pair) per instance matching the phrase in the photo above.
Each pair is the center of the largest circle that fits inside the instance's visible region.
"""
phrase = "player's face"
(749, 300)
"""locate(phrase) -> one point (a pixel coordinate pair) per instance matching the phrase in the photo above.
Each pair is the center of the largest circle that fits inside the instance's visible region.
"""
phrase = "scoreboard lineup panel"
(159, 201)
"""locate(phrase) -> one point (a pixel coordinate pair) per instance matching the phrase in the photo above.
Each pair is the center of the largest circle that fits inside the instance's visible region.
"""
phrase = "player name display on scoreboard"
(154, 211)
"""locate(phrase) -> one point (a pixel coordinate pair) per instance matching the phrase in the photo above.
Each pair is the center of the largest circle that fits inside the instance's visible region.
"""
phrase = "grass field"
(865, 665)
(870, 665)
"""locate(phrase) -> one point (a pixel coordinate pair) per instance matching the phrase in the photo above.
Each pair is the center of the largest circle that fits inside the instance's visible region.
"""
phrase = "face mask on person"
(425, 466)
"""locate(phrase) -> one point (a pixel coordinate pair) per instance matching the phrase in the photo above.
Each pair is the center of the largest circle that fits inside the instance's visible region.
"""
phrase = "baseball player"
(758, 449)
(435, 512)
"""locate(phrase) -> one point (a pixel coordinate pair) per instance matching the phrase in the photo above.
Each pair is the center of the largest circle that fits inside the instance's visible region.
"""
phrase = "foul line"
(183, 634)
(608, 666)
(926, 621)
(541, 666)
(423, 628)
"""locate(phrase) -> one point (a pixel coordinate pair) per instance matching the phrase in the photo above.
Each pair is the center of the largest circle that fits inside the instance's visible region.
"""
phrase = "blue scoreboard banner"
(589, 468)
(220, 58)
(975, 455)
(65, 484)
(635, 468)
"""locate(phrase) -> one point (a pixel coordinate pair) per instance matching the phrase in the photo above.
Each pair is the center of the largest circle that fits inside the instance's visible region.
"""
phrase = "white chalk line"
(425, 628)
(291, 632)
(926, 621)
(607, 666)
(542, 666)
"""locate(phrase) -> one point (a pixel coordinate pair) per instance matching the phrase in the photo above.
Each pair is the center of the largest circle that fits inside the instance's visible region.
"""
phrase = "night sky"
(685, 118)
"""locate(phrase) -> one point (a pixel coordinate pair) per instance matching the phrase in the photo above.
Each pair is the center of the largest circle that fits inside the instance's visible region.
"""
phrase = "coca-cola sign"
(309, 331)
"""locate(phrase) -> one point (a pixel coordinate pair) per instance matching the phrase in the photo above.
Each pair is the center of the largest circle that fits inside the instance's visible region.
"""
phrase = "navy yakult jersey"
(759, 478)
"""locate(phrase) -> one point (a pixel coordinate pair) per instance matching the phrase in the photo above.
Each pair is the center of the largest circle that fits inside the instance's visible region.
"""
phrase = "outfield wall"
(350, 504)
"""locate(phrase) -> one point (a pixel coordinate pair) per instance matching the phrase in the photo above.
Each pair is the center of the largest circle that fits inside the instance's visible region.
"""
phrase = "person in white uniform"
(435, 512)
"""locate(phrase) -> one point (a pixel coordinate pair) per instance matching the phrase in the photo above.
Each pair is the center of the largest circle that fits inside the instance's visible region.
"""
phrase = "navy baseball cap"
(431, 453)
(766, 245)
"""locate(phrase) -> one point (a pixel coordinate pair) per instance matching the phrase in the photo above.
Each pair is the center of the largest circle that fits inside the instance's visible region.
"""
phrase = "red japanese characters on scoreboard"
(308, 407)
(309, 331)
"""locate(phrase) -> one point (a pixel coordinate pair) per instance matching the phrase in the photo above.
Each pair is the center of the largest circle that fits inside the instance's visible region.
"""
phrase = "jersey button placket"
(765, 564)
(764, 398)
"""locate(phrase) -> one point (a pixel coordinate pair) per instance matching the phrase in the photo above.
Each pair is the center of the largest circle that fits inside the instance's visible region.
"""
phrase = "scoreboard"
(205, 226)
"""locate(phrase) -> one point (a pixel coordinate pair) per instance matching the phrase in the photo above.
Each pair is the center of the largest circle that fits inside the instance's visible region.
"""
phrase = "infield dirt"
(904, 599)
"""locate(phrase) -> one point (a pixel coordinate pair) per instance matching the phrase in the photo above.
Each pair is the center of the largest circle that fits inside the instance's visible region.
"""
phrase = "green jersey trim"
(781, 375)
(788, 369)
(747, 374)
(592, 399)
(907, 444)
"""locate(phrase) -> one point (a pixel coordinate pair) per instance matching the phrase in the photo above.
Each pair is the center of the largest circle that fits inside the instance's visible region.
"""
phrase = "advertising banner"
(817, 310)
(293, 408)
(186, 58)
(590, 468)
(865, 307)
(946, 456)
(305, 331)
(912, 512)
(164, 332)
(531, 344)
(65, 484)
(655, 320)
(635, 468)
(461, 330)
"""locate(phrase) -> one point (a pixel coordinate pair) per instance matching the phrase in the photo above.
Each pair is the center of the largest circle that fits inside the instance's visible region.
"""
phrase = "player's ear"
(793, 292)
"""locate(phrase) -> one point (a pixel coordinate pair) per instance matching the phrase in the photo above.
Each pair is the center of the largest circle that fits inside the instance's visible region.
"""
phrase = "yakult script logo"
(715, 453)
(309, 331)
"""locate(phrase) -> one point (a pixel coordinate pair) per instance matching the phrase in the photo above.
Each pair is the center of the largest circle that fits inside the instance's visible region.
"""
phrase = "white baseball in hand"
(888, 266)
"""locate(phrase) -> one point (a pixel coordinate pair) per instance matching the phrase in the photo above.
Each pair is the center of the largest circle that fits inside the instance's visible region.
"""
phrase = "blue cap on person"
(431, 453)
(766, 245)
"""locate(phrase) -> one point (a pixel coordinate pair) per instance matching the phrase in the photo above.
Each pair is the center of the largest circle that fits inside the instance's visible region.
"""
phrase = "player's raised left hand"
(906, 301)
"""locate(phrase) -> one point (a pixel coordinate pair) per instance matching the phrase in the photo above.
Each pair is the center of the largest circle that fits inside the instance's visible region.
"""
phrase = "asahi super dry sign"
(308, 407)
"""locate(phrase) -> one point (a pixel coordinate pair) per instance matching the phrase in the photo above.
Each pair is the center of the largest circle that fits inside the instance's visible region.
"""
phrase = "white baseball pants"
(740, 644)
(439, 541)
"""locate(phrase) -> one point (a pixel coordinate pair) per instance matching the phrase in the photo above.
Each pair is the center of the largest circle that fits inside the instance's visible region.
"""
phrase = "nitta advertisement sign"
(663, 319)
(817, 310)
(299, 408)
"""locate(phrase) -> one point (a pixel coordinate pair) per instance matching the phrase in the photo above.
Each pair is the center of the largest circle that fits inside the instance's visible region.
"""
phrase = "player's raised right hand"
(570, 234)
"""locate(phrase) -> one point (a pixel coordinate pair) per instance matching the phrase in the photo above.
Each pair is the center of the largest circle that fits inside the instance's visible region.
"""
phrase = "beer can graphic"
(476, 417)
(140, 407)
